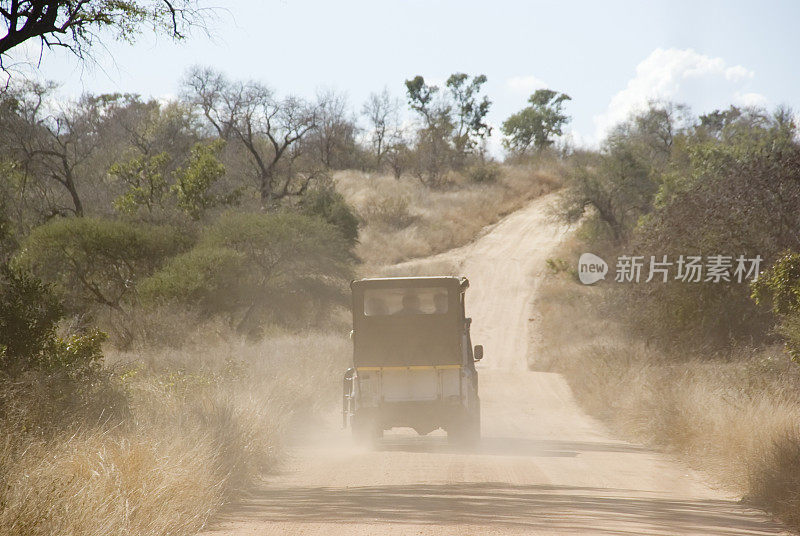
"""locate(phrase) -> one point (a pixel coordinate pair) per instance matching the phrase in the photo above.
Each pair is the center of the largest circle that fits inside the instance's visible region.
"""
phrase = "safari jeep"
(413, 361)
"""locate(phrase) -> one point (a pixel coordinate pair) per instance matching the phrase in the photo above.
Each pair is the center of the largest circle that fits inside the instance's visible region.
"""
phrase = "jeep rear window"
(405, 301)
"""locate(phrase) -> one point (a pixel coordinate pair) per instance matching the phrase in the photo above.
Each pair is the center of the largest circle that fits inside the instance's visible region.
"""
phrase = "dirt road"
(542, 468)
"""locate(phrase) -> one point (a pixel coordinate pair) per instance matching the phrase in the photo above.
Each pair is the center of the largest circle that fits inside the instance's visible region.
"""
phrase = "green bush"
(28, 315)
(331, 206)
(207, 277)
(258, 268)
(484, 172)
(779, 288)
(47, 381)
(95, 261)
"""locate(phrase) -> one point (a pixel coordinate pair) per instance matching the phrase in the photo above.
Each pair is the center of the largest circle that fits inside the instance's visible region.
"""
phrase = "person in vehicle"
(411, 305)
(440, 303)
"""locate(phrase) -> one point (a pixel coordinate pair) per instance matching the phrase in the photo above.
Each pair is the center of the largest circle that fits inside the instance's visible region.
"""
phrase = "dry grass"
(736, 418)
(206, 412)
(405, 220)
(203, 422)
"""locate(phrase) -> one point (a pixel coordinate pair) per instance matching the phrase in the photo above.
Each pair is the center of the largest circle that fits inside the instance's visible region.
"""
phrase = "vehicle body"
(413, 360)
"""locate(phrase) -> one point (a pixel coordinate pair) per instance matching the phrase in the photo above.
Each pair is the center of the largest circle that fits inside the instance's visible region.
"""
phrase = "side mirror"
(477, 353)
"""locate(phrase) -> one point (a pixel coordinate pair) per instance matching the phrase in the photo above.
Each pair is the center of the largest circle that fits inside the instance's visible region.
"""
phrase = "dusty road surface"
(543, 467)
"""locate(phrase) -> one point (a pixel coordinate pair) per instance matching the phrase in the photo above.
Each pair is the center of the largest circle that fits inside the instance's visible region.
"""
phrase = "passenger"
(411, 305)
(440, 303)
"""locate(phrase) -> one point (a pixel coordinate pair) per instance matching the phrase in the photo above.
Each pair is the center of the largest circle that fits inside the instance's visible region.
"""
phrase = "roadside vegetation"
(174, 277)
(705, 369)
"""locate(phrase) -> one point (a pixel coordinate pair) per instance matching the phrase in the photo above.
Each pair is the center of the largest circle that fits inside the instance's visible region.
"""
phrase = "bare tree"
(333, 139)
(268, 127)
(382, 113)
(50, 144)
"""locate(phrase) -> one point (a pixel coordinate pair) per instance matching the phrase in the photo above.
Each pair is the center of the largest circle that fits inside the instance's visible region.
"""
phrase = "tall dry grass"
(403, 219)
(205, 411)
(736, 416)
(202, 423)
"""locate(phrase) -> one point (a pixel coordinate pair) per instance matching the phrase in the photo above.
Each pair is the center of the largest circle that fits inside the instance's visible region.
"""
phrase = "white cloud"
(660, 77)
(525, 84)
(737, 72)
(749, 99)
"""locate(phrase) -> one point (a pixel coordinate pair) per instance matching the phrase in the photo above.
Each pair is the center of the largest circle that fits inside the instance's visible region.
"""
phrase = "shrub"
(484, 172)
(46, 381)
(389, 213)
(255, 268)
(95, 261)
(208, 277)
(330, 205)
(779, 288)
(28, 315)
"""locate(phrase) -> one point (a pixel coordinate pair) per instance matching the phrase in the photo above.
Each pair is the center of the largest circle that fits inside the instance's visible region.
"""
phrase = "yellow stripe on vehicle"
(411, 367)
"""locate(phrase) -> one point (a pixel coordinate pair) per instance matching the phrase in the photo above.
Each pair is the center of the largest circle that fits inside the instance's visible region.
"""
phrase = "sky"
(611, 57)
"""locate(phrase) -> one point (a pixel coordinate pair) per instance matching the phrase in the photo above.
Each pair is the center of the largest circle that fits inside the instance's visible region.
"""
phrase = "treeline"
(725, 184)
(221, 202)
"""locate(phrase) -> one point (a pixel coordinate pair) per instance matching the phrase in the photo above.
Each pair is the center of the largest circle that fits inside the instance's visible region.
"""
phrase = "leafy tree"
(537, 124)
(470, 112)
(256, 268)
(76, 25)
(621, 183)
(146, 184)
(748, 209)
(422, 99)
(194, 184)
(779, 286)
(433, 144)
(719, 144)
(93, 261)
(212, 278)
(615, 187)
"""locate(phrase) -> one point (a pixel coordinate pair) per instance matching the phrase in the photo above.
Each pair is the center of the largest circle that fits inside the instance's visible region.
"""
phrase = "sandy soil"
(543, 466)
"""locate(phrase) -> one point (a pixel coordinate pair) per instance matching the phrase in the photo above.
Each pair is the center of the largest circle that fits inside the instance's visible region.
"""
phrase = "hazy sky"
(609, 56)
